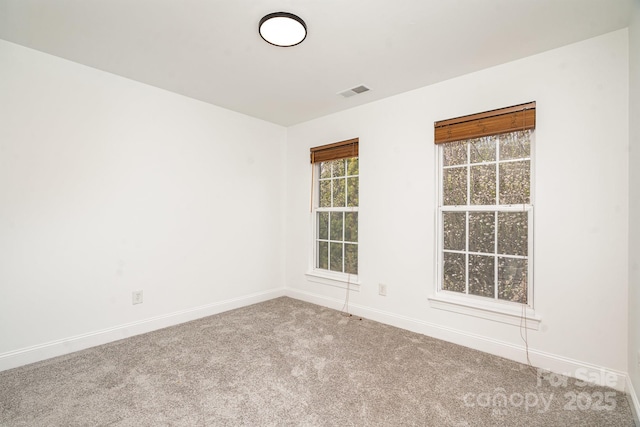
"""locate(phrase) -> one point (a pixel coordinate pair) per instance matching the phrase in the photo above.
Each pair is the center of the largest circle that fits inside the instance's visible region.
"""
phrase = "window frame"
(495, 309)
(327, 276)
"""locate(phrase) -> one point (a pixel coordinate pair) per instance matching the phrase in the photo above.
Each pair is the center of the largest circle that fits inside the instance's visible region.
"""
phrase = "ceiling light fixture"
(282, 29)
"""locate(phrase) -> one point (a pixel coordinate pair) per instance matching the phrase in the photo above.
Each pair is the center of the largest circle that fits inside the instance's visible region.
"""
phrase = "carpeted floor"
(287, 362)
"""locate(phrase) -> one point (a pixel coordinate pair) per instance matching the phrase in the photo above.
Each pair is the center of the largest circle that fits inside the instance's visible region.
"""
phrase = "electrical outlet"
(382, 289)
(136, 297)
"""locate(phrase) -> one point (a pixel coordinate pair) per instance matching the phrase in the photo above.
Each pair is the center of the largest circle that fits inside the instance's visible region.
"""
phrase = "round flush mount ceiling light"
(282, 29)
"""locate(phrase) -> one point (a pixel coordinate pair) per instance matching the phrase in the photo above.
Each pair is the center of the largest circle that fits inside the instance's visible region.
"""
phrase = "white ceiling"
(211, 50)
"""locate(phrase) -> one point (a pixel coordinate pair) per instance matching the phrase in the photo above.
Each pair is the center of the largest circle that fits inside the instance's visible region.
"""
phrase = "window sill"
(334, 279)
(490, 310)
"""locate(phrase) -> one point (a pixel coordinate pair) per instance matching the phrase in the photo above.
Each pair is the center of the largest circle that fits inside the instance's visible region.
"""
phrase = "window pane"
(323, 225)
(351, 259)
(482, 275)
(513, 236)
(483, 185)
(352, 166)
(336, 256)
(352, 191)
(338, 193)
(323, 255)
(512, 279)
(455, 229)
(454, 153)
(454, 186)
(336, 225)
(514, 183)
(515, 145)
(482, 232)
(351, 226)
(325, 170)
(483, 149)
(325, 194)
(338, 167)
(484, 248)
(334, 229)
(454, 277)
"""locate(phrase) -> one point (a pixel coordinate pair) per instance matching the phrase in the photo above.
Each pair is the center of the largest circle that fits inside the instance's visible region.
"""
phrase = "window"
(335, 210)
(485, 210)
(485, 216)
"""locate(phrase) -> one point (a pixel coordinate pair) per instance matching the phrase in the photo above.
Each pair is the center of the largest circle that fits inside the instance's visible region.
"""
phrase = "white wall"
(634, 198)
(581, 205)
(109, 186)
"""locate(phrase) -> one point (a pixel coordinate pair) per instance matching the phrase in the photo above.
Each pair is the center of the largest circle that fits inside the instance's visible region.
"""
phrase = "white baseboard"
(36, 353)
(518, 353)
(633, 401)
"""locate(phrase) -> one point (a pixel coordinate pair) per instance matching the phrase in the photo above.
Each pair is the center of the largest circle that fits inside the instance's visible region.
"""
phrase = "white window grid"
(468, 208)
(344, 209)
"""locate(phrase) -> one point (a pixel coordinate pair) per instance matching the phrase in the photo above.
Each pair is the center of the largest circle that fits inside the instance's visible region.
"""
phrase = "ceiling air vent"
(354, 91)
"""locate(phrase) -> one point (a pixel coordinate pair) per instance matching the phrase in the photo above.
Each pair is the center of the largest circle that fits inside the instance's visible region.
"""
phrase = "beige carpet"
(287, 362)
